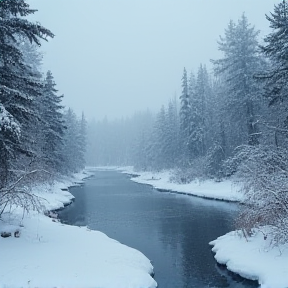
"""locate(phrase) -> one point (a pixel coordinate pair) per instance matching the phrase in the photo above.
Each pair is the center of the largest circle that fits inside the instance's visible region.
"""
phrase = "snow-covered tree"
(74, 142)
(159, 147)
(275, 76)
(276, 50)
(53, 124)
(184, 116)
(172, 135)
(237, 67)
(82, 140)
(18, 86)
(199, 114)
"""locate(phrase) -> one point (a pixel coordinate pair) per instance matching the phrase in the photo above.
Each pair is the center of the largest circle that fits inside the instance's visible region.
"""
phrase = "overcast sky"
(115, 57)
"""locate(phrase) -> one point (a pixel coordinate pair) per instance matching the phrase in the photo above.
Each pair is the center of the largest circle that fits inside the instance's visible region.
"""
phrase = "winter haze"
(112, 58)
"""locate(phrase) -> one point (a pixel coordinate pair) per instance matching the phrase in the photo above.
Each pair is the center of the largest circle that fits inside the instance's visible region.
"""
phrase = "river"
(172, 230)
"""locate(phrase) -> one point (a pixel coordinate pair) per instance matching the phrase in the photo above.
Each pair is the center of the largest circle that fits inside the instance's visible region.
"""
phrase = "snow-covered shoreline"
(50, 254)
(254, 259)
(225, 190)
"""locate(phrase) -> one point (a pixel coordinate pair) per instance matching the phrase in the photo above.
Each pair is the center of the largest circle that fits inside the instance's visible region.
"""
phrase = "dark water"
(172, 230)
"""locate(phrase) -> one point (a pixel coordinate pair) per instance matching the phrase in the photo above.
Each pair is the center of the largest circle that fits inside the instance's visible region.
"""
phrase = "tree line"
(232, 121)
(39, 139)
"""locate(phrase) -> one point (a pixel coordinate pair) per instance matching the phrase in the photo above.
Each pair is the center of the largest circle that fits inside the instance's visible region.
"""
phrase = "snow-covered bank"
(253, 259)
(50, 254)
(224, 190)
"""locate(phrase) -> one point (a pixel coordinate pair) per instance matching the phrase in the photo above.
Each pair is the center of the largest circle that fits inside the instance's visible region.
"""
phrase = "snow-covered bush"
(18, 194)
(263, 173)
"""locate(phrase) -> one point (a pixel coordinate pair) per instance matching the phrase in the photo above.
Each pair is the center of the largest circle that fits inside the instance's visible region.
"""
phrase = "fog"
(112, 58)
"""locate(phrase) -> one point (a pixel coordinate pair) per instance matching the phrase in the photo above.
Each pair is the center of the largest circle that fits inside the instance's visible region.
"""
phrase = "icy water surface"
(172, 230)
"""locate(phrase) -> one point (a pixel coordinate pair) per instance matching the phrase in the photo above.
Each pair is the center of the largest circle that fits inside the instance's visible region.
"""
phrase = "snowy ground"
(49, 254)
(224, 190)
(254, 259)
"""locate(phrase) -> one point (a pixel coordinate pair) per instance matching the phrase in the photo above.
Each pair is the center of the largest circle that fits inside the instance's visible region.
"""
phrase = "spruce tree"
(199, 112)
(276, 50)
(18, 86)
(71, 143)
(52, 115)
(237, 67)
(184, 119)
(82, 140)
(275, 76)
(172, 137)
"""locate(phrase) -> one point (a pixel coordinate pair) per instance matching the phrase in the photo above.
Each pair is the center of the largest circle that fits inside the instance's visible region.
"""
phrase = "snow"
(7, 122)
(224, 190)
(50, 254)
(254, 259)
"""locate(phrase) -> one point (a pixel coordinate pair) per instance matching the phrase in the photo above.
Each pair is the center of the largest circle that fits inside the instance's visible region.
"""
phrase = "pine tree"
(198, 114)
(172, 135)
(51, 111)
(237, 67)
(184, 119)
(160, 140)
(276, 50)
(18, 86)
(32, 134)
(275, 76)
(82, 140)
(71, 149)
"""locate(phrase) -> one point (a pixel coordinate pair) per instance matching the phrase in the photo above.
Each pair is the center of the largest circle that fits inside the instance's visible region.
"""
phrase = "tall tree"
(276, 50)
(275, 76)
(74, 142)
(18, 87)
(82, 140)
(172, 134)
(239, 63)
(52, 115)
(184, 119)
(199, 114)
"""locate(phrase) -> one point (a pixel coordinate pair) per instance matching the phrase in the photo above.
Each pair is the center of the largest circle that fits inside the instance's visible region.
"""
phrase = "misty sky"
(115, 57)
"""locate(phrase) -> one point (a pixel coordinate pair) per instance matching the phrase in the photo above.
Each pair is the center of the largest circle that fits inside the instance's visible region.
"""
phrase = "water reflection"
(75, 213)
(172, 230)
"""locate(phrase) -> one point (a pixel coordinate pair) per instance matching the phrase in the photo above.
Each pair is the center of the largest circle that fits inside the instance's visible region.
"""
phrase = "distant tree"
(52, 116)
(199, 113)
(72, 144)
(194, 118)
(160, 143)
(82, 140)
(172, 135)
(184, 119)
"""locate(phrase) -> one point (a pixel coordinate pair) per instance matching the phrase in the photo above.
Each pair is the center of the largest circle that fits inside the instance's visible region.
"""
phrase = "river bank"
(253, 258)
(225, 190)
(50, 254)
